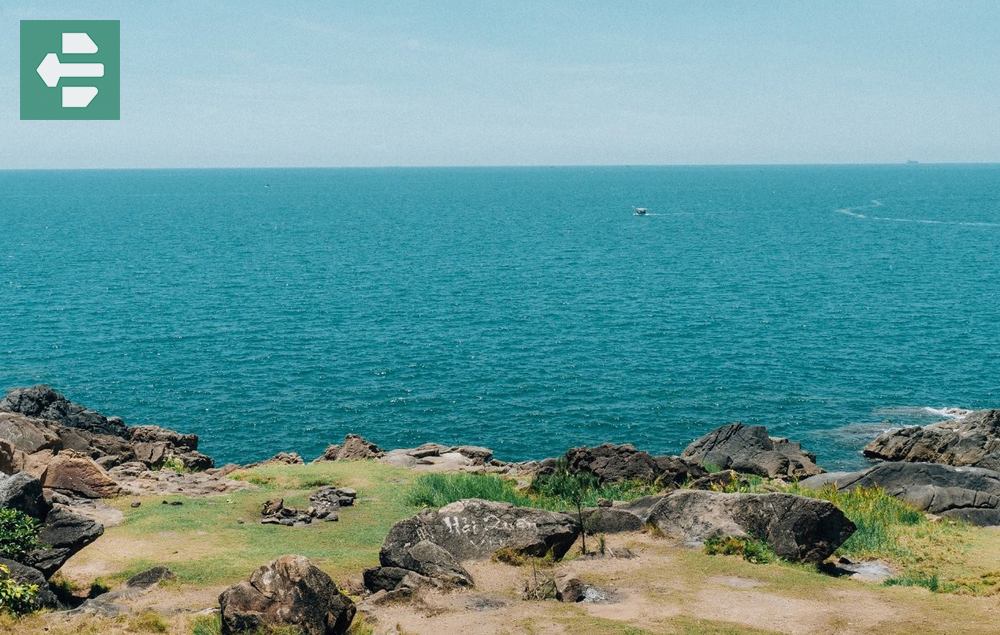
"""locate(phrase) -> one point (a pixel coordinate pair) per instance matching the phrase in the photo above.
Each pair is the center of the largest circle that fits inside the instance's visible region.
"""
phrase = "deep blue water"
(525, 309)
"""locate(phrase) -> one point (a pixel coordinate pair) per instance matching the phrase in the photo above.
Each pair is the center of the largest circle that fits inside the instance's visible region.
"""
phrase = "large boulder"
(288, 593)
(75, 473)
(429, 560)
(610, 520)
(44, 403)
(24, 574)
(796, 528)
(971, 494)
(28, 435)
(611, 463)
(154, 446)
(63, 534)
(10, 458)
(396, 578)
(972, 440)
(749, 449)
(23, 492)
(475, 529)
(442, 458)
(354, 448)
(39, 423)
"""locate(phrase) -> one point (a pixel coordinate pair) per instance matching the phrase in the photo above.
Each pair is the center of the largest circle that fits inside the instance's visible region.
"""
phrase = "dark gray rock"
(8, 457)
(44, 403)
(569, 588)
(971, 494)
(29, 575)
(400, 583)
(640, 506)
(383, 578)
(287, 593)
(63, 534)
(676, 471)
(611, 463)
(149, 578)
(274, 512)
(475, 529)
(429, 560)
(23, 492)
(610, 520)
(973, 440)
(749, 449)
(115, 602)
(795, 527)
(334, 497)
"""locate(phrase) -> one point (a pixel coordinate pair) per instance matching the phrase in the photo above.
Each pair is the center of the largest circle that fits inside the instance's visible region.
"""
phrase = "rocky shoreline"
(58, 460)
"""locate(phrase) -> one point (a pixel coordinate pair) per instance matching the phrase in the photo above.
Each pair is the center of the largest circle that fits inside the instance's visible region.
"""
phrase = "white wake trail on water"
(942, 412)
(856, 212)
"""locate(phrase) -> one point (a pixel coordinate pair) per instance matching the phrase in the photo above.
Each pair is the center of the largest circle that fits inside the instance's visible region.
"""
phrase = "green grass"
(880, 519)
(931, 583)
(206, 625)
(219, 539)
(440, 489)
(755, 551)
(927, 553)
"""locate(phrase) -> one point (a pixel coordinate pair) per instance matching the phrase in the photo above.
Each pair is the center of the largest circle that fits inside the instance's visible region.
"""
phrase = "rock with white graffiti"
(475, 529)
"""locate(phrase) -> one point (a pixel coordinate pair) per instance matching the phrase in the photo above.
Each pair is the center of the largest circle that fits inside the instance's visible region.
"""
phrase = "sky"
(445, 82)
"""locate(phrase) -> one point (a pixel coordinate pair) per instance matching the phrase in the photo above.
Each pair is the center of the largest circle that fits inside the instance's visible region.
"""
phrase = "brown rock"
(8, 458)
(972, 440)
(355, 448)
(28, 435)
(73, 472)
(289, 592)
(751, 450)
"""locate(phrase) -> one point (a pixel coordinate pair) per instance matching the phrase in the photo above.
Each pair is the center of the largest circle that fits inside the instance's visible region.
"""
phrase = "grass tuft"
(438, 490)
(149, 622)
(878, 516)
(751, 550)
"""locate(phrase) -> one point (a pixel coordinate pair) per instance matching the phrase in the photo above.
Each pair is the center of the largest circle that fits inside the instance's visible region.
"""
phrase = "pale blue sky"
(217, 83)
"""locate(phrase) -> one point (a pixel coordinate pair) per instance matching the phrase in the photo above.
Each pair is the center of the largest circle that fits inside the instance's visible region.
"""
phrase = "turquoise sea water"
(524, 309)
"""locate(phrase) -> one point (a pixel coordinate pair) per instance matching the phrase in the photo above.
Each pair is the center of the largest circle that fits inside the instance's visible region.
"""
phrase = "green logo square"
(70, 69)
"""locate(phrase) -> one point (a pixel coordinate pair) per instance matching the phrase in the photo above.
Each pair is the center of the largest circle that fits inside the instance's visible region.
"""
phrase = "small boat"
(640, 211)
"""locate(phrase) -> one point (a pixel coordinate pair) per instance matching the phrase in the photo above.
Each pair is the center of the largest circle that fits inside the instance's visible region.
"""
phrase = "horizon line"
(906, 163)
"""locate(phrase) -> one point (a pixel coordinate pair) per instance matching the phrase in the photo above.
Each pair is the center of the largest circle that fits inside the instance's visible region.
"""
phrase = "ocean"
(524, 309)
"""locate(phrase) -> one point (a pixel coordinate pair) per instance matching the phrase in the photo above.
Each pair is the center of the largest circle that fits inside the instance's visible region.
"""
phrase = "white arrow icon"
(51, 70)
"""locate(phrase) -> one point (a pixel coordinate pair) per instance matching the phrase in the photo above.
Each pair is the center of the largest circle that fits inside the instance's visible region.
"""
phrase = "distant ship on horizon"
(912, 162)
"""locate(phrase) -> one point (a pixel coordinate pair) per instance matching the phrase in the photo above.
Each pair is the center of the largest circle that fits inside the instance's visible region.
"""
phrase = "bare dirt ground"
(665, 589)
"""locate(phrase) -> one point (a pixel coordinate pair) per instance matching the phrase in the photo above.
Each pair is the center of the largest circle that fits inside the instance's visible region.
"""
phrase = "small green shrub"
(510, 556)
(98, 587)
(16, 598)
(18, 534)
(175, 464)
(755, 551)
